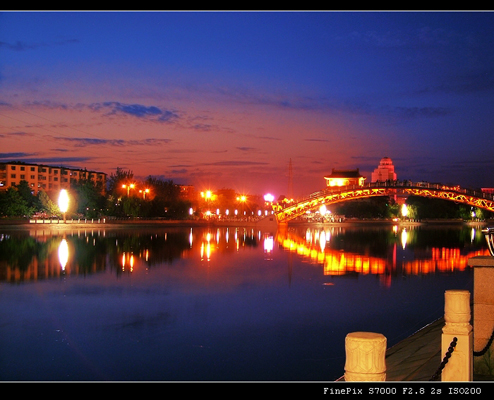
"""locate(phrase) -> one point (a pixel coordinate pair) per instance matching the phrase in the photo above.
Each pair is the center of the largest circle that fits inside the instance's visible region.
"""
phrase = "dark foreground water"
(221, 304)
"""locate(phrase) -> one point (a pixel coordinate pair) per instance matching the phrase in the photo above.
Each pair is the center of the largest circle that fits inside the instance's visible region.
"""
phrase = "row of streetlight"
(63, 199)
(129, 186)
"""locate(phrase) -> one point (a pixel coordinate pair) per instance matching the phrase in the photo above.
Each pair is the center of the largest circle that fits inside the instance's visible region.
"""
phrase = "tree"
(115, 191)
(12, 204)
(47, 205)
(432, 208)
(166, 201)
(27, 194)
(116, 180)
(89, 199)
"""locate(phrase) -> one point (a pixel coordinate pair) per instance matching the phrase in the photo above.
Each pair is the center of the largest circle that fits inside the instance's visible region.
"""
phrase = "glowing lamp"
(268, 197)
(63, 201)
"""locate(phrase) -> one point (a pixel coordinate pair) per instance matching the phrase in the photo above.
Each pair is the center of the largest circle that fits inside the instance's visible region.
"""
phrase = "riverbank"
(22, 223)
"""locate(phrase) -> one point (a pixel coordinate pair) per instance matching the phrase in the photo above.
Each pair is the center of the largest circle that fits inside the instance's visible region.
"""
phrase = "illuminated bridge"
(332, 195)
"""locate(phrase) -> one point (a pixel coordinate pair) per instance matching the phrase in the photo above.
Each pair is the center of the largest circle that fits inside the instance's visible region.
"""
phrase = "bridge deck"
(345, 193)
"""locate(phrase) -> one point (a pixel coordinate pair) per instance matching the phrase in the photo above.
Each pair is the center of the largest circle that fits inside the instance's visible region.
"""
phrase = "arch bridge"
(332, 195)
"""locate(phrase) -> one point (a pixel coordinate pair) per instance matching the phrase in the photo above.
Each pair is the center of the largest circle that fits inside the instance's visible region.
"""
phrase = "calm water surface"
(220, 303)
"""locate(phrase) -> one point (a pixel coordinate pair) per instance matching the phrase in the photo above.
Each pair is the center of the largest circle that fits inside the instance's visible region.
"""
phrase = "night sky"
(227, 99)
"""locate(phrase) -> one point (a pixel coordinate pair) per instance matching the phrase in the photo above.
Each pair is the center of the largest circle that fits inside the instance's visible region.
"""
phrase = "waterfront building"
(344, 177)
(384, 172)
(47, 178)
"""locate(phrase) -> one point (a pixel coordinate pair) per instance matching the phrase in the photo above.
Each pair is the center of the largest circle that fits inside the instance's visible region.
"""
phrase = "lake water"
(218, 303)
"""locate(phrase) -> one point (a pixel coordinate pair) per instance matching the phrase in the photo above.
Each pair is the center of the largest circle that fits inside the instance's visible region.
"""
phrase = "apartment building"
(47, 178)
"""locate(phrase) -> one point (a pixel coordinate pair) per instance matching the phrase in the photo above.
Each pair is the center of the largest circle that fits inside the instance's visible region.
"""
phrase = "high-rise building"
(47, 178)
(384, 172)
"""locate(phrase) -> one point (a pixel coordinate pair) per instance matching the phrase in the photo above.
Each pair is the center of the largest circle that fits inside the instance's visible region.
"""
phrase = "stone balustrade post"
(457, 324)
(483, 315)
(365, 357)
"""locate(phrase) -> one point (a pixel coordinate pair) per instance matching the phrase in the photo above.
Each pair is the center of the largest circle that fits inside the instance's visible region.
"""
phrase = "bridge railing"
(398, 185)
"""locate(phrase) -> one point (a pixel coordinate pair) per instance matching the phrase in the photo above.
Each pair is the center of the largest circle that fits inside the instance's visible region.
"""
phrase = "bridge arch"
(377, 189)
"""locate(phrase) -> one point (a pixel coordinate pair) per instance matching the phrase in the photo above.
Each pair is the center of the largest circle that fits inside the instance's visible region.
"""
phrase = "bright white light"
(404, 210)
(404, 238)
(63, 201)
(63, 253)
(322, 240)
(268, 197)
(268, 244)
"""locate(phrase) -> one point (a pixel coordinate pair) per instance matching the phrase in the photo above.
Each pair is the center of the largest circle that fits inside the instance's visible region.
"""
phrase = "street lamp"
(404, 210)
(144, 193)
(268, 198)
(63, 203)
(128, 187)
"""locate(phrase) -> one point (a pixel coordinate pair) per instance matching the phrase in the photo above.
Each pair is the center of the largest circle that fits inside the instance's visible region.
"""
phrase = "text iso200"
(464, 390)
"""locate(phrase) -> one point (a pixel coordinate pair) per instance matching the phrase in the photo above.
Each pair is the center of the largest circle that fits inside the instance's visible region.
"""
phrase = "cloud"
(17, 133)
(464, 83)
(246, 148)
(23, 46)
(316, 140)
(418, 112)
(203, 127)
(328, 105)
(11, 156)
(34, 159)
(59, 160)
(83, 142)
(235, 163)
(136, 110)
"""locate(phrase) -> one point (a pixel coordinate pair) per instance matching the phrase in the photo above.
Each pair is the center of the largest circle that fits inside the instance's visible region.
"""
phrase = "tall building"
(47, 178)
(344, 177)
(384, 172)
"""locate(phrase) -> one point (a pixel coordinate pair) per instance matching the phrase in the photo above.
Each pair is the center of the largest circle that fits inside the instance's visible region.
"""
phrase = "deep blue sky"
(226, 99)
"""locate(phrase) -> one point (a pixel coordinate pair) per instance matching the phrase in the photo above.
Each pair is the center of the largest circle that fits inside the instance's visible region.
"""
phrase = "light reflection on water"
(219, 303)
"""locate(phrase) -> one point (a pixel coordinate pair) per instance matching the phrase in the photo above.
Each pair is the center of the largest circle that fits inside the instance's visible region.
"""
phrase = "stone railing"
(466, 348)
(483, 315)
(366, 351)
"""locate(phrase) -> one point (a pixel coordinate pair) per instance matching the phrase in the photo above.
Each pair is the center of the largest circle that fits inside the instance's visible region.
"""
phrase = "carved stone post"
(457, 317)
(365, 357)
(483, 315)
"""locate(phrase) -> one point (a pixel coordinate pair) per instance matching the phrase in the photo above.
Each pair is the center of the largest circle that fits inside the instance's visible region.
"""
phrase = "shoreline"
(22, 224)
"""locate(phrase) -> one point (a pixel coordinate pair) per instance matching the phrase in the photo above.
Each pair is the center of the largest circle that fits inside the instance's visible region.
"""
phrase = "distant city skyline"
(227, 99)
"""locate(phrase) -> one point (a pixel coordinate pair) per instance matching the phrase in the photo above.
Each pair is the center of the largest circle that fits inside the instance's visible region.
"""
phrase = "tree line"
(125, 197)
(418, 208)
(154, 197)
